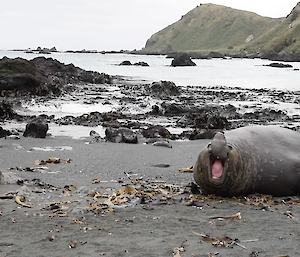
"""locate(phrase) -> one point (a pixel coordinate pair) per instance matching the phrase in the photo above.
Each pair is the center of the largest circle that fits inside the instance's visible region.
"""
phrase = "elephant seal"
(254, 159)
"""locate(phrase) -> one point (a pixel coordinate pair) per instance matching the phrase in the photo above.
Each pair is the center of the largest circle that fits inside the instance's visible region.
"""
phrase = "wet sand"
(62, 221)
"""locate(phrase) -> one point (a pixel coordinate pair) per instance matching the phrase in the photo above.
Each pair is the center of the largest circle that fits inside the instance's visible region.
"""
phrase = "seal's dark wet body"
(261, 159)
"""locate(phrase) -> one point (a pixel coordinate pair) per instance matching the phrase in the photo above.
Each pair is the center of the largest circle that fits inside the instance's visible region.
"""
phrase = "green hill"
(283, 38)
(211, 27)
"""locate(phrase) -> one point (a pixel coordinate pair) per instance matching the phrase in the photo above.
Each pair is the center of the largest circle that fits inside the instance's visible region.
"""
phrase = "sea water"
(244, 73)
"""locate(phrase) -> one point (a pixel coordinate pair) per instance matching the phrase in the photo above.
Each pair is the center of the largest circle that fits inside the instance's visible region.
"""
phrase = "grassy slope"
(283, 38)
(211, 27)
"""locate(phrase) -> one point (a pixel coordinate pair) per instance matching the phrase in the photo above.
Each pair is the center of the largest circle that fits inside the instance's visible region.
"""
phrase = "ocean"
(244, 73)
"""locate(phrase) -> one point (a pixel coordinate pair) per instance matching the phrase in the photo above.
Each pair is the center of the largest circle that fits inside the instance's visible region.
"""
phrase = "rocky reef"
(198, 112)
(43, 76)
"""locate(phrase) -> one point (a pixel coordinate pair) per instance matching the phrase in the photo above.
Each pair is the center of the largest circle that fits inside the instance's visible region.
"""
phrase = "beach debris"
(20, 200)
(51, 160)
(189, 169)
(77, 221)
(161, 165)
(157, 192)
(254, 254)
(96, 181)
(212, 254)
(177, 251)
(234, 216)
(73, 244)
(58, 213)
(1, 213)
(221, 241)
(50, 238)
(289, 214)
(69, 188)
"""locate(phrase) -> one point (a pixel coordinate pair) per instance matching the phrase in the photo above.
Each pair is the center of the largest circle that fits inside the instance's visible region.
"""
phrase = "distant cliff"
(217, 28)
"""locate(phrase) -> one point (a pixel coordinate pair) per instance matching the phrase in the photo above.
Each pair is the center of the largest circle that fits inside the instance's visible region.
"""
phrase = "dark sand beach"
(153, 213)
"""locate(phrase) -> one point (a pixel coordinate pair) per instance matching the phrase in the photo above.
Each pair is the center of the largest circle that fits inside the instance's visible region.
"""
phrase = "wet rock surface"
(182, 59)
(36, 128)
(43, 76)
(279, 65)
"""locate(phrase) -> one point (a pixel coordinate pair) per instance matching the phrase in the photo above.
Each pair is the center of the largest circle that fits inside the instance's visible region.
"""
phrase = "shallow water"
(243, 73)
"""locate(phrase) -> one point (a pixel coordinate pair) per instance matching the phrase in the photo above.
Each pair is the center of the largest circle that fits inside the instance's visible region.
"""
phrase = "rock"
(203, 134)
(279, 65)
(156, 131)
(164, 88)
(173, 108)
(182, 59)
(141, 64)
(36, 128)
(95, 137)
(128, 136)
(43, 76)
(126, 63)
(121, 135)
(6, 111)
(4, 133)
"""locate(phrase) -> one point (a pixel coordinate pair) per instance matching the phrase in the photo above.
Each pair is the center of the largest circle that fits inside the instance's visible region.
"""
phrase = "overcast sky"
(104, 24)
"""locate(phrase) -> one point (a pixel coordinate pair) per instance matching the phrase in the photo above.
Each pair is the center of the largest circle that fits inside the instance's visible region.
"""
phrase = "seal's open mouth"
(217, 167)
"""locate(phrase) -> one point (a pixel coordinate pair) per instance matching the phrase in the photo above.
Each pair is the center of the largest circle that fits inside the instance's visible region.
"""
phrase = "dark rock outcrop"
(43, 76)
(141, 64)
(156, 131)
(6, 111)
(36, 128)
(125, 63)
(4, 133)
(182, 59)
(128, 63)
(279, 65)
(121, 135)
(164, 88)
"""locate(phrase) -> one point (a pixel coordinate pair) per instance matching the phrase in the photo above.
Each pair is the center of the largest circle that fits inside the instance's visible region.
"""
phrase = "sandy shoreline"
(136, 228)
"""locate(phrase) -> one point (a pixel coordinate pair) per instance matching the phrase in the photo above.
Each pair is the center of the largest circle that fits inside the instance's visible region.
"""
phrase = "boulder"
(4, 133)
(36, 128)
(6, 111)
(156, 131)
(126, 63)
(279, 65)
(121, 135)
(164, 88)
(182, 59)
(141, 64)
